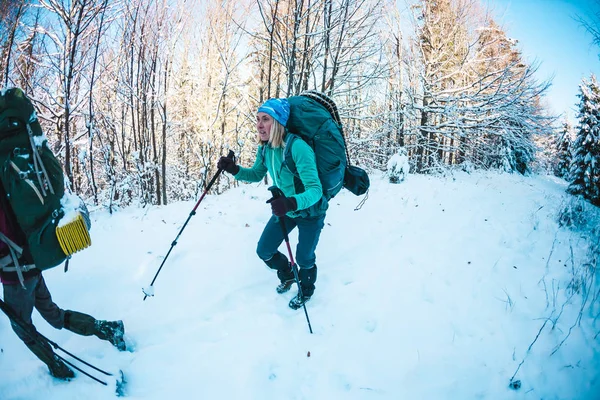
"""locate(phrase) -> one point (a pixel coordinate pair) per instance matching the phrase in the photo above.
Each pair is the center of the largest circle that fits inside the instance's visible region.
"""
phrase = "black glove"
(282, 205)
(228, 164)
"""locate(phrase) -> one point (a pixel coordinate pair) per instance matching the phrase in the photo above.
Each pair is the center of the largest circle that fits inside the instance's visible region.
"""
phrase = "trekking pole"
(149, 290)
(38, 337)
(278, 193)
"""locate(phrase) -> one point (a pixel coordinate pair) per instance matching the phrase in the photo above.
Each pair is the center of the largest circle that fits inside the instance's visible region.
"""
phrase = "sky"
(548, 31)
(437, 288)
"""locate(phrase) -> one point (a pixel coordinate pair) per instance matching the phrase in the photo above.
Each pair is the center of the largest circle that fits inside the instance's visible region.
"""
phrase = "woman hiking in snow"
(302, 204)
(25, 288)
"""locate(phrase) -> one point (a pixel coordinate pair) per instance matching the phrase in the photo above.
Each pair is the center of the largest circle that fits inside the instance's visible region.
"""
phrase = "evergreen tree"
(584, 171)
(563, 151)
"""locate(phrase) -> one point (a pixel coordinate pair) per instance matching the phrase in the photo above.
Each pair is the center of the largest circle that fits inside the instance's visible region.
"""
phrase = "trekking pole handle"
(230, 155)
(276, 192)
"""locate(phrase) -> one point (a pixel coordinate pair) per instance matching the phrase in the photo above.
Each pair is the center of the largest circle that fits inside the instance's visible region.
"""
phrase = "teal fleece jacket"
(311, 201)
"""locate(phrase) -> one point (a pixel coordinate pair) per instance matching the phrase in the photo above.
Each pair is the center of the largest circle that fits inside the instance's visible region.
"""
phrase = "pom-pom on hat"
(279, 109)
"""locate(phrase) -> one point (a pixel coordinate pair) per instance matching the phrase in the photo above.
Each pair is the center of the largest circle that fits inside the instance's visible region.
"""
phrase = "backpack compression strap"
(38, 165)
(15, 252)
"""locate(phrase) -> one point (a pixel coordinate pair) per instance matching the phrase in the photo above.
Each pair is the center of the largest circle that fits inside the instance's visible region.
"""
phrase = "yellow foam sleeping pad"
(74, 235)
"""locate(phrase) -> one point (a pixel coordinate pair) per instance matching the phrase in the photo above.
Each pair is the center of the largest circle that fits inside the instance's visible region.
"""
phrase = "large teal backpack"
(314, 117)
(33, 181)
(311, 119)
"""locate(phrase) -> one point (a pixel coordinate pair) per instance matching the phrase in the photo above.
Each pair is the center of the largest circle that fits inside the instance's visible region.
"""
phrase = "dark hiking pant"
(309, 231)
(36, 295)
(23, 301)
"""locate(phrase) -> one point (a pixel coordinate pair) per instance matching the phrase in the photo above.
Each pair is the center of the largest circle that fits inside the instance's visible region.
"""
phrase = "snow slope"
(435, 289)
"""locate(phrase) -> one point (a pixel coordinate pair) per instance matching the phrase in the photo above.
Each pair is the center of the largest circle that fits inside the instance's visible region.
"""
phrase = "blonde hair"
(276, 135)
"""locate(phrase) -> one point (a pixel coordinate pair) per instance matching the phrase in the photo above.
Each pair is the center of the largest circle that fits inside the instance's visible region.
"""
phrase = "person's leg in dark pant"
(267, 250)
(309, 231)
(53, 314)
(77, 322)
(86, 325)
(22, 301)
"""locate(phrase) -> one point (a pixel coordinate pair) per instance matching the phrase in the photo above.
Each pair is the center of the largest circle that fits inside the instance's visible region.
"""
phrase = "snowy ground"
(435, 289)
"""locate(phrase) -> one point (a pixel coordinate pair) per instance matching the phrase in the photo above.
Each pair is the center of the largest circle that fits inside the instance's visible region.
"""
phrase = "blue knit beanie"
(279, 109)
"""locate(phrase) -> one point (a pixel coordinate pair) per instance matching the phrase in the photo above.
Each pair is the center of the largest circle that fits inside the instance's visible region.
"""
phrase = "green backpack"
(33, 181)
(314, 117)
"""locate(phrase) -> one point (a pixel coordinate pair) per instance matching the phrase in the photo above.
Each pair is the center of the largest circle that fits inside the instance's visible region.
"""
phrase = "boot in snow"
(60, 370)
(307, 276)
(56, 366)
(86, 325)
(286, 277)
(112, 331)
(298, 301)
(285, 286)
(280, 263)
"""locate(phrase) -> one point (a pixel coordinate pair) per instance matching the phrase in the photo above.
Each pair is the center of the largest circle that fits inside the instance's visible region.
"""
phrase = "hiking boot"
(286, 279)
(113, 332)
(280, 263)
(307, 277)
(285, 286)
(60, 370)
(86, 325)
(56, 366)
(298, 301)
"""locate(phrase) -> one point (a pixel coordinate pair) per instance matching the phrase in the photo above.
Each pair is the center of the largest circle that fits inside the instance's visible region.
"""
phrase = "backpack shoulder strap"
(288, 160)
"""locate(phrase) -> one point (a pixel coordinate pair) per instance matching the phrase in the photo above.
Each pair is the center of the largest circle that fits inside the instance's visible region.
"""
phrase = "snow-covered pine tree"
(584, 171)
(563, 151)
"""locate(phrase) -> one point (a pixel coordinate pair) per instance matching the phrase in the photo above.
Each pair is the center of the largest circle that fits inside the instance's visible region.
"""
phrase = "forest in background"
(139, 98)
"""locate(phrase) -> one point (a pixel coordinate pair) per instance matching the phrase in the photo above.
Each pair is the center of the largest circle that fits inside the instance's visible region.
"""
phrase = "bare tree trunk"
(269, 77)
(11, 40)
(153, 102)
(72, 47)
(424, 138)
(298, 10)
(164, 138)
(304, 66)
(91, 122)
(28, 64)
(327, 41)
(336, 60)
